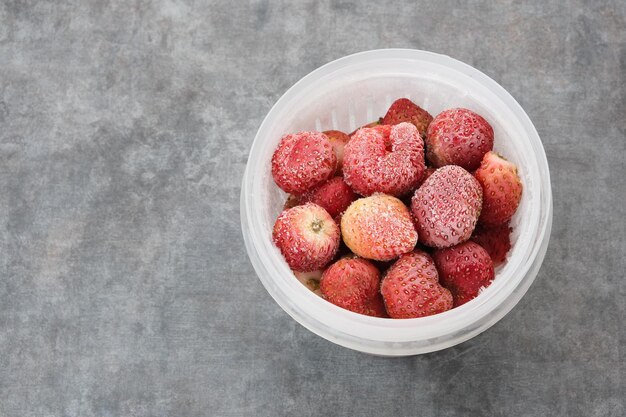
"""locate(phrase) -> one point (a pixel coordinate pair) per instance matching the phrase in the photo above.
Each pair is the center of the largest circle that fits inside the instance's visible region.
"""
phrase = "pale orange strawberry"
(378, 227)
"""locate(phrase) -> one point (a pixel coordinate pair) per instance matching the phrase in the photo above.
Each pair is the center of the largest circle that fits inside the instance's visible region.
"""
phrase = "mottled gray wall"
(125, 289)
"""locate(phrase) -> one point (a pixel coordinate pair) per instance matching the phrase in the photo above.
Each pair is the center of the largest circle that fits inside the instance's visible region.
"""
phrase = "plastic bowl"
(356, 90)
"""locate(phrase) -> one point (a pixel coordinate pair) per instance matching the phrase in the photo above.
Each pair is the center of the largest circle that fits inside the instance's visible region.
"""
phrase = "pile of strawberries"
(423, 200)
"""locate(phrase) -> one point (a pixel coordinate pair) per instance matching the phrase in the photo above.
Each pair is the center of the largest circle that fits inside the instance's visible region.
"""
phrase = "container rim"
(410, 336)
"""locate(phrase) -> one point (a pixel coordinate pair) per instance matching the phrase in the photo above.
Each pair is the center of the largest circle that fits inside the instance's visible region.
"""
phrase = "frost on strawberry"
(307, 237)
(411, 288)
(464, 269)
(384, 159)
(302, 161)
(502, 189)
(353, 284)
(378, 227)
(446, 207)
(404, 110)
(334, 195)
(458, 137)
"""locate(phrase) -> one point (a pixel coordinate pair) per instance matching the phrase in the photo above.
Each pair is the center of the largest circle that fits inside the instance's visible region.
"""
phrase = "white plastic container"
(356, 90)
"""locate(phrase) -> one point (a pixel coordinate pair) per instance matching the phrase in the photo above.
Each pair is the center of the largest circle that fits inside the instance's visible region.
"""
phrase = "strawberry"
(378, 227)
(334, 195)
(384, 159)
(458, 137)
(352, 283)
(495, 240)
(464, 269)
(411, 288)
(338, 140)
(307, 237)
(502, 189)
(404, 110)
(302, 161)
(446, 207)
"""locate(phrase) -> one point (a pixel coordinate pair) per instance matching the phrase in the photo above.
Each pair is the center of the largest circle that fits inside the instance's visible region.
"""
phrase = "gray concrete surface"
(125, 289)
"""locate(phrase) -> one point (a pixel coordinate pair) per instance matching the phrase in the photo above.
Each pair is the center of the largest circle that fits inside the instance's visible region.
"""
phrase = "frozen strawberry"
(311, 280)
(502, 189)
(372, 124)
(446, 207)
(338, 140)
(411, 288)
(464, 269)
(458, 137)
(302, 161)
(334, 195)
(404, 110)
(496, 240)
(307, 237)
(378, 227)
(351, 283)
(392, 163)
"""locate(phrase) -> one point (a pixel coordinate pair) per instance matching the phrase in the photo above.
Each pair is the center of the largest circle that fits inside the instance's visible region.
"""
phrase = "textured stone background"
(125, 289)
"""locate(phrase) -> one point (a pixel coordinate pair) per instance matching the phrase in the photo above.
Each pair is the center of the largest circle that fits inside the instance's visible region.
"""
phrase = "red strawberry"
(502, 189)
(302, 161)
(338, 140)
(411, 288)
(404, 110)
(369, 125)
(495, 240)
(458, 137)
(390, 163)
(352, 283)
(334, 195)
(307, 237)
(446, 207)
(464, 269)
